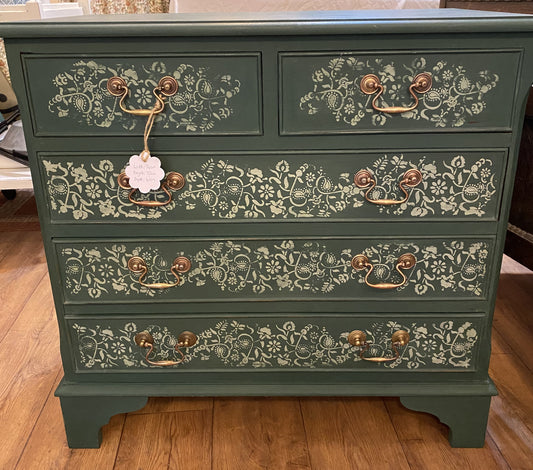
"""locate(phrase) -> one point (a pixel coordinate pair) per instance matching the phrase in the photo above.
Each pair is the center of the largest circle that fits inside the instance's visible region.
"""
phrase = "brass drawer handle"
(167, 86)
(173, 182)
(371, 84)
(365, 179)
(405, 261)
(358, 339)
(180, 265)
(146, 340)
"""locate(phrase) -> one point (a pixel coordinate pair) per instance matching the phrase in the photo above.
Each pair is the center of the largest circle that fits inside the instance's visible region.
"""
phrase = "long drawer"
(296, 343)
(308, 186)
(364, 91)
(318, 270)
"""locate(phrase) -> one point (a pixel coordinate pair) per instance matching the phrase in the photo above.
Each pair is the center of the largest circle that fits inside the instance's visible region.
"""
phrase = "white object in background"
(173, 6)
(27, 11)
(55, 10)
(13, 175)
(34, 10)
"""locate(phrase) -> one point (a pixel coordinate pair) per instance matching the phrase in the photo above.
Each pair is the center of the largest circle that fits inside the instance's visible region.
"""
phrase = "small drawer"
(337, 92)
(309, 186)
(317, 270)
(431, 343)
(216, 94)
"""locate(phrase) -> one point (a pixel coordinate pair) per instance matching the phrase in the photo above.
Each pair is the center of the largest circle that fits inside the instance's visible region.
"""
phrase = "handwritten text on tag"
(144, 175)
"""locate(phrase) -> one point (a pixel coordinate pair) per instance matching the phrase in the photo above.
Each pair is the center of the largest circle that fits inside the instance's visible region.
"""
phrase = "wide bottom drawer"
(395, 342)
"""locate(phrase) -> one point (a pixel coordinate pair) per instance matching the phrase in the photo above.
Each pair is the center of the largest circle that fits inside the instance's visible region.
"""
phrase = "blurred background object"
(8, 101)
(104, 7)
(14, 171)
(519, 241)
(511, 6)
(195, 6)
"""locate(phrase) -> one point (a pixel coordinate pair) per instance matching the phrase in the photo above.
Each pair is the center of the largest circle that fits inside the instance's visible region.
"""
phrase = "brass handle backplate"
(180, 265)
(371, 84)
(145, 340)
(173, 182)
(357, 338)
(404, 262)
(167, 86)
(365, 179)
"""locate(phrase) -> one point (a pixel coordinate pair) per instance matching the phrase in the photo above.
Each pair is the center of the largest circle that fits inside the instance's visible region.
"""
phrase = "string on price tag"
(144, 171)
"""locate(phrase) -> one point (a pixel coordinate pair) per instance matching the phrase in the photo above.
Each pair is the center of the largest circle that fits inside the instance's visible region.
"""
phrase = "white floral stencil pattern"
(455, 186)
(453, 266)
(275, 268)
(455, 97)
(231, 343)
(202, 99)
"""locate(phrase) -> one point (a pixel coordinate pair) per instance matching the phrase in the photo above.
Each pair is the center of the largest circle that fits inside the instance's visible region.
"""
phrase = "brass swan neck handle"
(364, 179)
(371, 84)
(167, 86)
(138, 265)
(145, 340)
(174, 181)
(404, 262)
(399, 339)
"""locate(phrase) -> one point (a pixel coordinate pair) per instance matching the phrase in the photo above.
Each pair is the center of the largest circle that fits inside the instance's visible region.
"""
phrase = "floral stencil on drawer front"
(455, 266)
(202, 100)
(455, 186)
(284, 266)
(456, 96)
(87, 190)
(231, 343)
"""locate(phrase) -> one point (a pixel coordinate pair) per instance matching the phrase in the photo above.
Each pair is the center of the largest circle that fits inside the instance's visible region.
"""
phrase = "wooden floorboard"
(47, 445)
(511, 417)
(258, 433)
(29, 361)
(351, 433)
(425, 443)
(21, 269)
(173, 404)
(246, 433)
(498, 343)
(157, 441)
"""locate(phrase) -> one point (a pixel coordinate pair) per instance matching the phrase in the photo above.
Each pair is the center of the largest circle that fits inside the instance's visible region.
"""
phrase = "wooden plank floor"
(246, 433)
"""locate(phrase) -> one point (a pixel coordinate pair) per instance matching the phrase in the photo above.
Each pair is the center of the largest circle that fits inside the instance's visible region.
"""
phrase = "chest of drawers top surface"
(326, 172)
(273, 23)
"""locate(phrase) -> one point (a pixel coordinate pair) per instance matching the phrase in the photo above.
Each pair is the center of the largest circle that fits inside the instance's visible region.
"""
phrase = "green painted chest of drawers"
(332, 217)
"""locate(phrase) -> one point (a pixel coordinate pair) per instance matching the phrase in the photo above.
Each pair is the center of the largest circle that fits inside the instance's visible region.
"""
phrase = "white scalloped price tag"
(144, 175)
